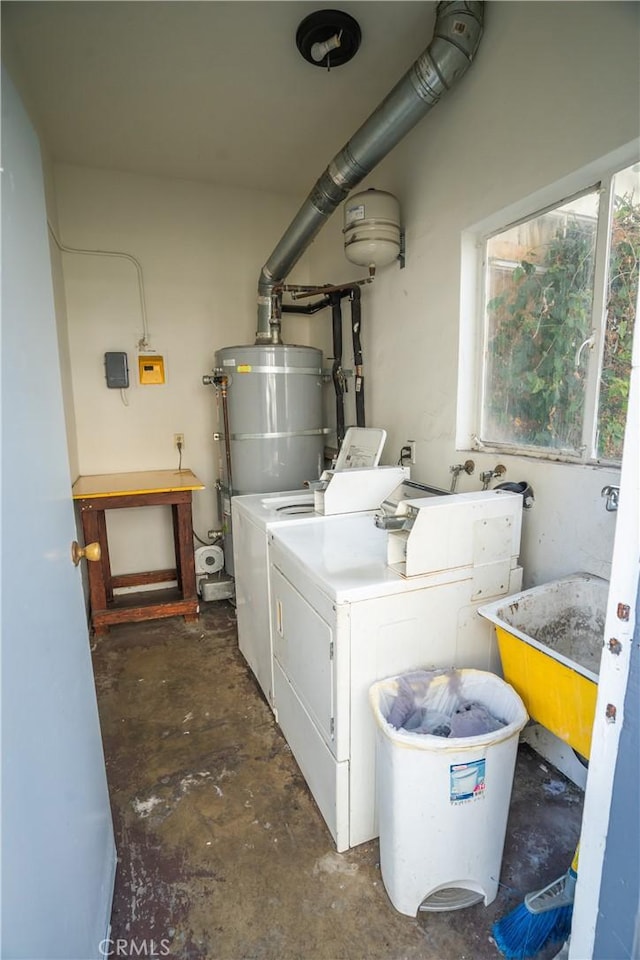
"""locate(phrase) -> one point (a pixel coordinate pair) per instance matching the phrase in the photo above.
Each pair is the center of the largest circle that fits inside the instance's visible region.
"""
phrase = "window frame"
(597, 177)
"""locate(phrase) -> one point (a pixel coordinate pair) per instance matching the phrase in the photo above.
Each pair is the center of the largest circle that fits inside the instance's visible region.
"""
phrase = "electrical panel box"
(150, 369)
(116, 370)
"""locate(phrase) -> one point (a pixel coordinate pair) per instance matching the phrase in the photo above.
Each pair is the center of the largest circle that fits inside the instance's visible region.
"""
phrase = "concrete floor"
(222, 852)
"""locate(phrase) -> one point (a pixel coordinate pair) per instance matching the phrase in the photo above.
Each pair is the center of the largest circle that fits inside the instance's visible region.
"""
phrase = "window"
(559, 305)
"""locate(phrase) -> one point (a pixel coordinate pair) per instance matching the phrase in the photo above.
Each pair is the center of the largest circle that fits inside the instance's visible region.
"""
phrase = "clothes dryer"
(343, 617)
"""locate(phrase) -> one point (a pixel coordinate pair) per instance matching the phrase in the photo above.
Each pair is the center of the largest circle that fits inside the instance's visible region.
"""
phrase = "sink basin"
(550, 640)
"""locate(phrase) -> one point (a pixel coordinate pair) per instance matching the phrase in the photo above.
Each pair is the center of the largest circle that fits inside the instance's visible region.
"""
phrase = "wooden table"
(113, 491)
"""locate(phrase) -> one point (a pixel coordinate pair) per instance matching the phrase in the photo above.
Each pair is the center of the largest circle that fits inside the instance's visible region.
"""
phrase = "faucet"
(456, 469)
(389, 522)
(613, 495)
(487, 475)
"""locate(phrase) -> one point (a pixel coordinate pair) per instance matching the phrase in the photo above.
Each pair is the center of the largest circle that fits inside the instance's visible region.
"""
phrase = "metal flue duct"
(456, 37)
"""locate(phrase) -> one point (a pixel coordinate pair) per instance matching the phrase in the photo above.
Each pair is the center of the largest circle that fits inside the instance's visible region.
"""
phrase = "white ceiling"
(214, 90)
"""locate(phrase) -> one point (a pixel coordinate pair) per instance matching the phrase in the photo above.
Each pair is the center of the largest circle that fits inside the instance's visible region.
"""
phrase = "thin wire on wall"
(143, 343)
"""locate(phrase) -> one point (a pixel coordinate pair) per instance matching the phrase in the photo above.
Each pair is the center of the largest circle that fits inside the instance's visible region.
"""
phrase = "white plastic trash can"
(443, 802)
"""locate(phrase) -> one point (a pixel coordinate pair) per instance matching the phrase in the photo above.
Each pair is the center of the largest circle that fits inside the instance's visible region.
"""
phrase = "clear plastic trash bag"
(439, 710)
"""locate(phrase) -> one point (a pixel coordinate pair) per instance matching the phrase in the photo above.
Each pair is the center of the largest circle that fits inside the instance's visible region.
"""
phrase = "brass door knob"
(90, 552)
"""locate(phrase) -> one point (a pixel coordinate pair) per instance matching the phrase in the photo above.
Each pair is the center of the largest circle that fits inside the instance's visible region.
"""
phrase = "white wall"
(201, 248)
(554, 87)
(62, 326)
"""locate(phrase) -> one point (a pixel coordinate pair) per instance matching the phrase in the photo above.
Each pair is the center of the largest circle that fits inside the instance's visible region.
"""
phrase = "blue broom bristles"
(523, 934)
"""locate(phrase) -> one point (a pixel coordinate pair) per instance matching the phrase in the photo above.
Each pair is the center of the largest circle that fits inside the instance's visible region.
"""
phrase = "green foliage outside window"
(621, 313)
(535, 389)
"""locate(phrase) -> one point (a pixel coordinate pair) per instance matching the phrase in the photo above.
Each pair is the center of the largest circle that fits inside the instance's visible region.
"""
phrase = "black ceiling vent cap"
(321, 26)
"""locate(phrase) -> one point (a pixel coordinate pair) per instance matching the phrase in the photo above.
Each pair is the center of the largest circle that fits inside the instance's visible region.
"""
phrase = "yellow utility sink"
(550, 640)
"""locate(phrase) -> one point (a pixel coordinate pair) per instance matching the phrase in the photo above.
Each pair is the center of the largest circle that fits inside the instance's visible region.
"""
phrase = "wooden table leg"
(176, 542)
(104, 555)
(185, 563)
(97, 590)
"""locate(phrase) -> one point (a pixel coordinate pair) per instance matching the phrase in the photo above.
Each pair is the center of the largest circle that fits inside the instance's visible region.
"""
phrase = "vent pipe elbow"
(457, 34)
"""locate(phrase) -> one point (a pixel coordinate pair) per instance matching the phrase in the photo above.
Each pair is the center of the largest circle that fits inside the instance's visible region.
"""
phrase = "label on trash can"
(467, 781)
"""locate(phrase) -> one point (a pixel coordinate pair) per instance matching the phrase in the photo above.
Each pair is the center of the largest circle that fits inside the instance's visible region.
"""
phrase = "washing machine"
(344, 614)
(254, 516)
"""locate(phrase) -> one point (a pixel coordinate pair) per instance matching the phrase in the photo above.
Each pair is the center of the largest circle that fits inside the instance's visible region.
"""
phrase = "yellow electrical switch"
(151, 369)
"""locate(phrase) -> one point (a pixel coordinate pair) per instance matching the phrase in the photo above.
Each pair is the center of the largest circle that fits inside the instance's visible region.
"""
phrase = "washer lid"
(361, 447)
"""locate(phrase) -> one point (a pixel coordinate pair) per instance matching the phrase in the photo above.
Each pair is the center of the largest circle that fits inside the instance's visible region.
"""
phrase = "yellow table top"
(123, 484)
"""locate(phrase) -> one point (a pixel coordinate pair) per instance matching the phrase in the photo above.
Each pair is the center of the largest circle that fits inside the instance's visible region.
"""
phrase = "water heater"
(372, 228)
(276, 436)
(275, 415)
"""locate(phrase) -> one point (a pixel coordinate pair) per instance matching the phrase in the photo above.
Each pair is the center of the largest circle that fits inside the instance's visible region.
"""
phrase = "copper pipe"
(223, 383)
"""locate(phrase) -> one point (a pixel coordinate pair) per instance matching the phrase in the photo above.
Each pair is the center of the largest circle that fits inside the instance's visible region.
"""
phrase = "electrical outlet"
(412, 447)
(178, 441)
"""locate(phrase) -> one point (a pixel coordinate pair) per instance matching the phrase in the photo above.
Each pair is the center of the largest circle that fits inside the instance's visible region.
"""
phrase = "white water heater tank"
(372, 228)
